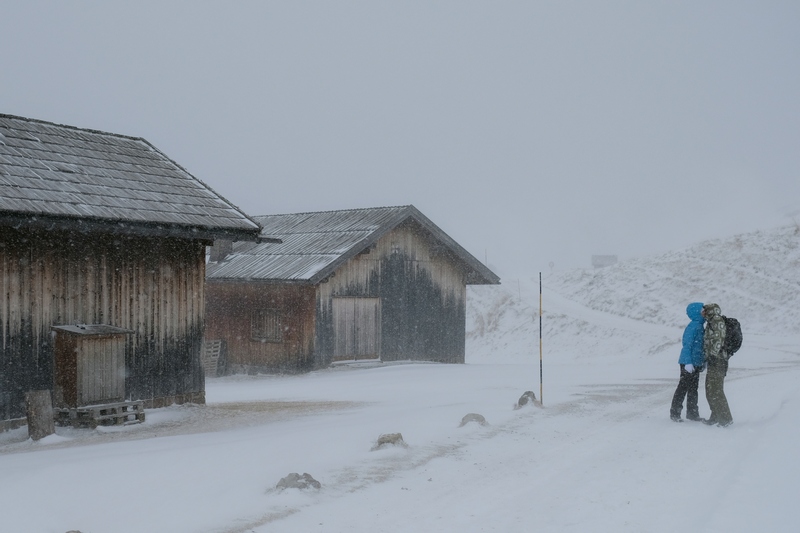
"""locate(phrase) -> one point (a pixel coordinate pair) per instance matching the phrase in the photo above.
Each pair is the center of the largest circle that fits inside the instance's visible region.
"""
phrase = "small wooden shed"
(383, 283)
(89, 365)
(99, 228)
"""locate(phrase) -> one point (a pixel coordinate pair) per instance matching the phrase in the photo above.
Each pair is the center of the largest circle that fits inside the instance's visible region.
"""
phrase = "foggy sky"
(531, 132)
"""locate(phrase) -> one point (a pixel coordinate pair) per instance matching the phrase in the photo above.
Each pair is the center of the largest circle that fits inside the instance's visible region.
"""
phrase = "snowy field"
(601, 455)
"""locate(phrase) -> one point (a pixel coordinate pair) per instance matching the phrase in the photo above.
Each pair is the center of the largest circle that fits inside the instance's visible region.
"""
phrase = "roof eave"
(205, 185)
(265, 281)
(148, 229)
(331, 268)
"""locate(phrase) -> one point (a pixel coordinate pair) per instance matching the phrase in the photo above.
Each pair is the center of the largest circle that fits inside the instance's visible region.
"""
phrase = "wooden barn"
(105, 230)
(383, 283)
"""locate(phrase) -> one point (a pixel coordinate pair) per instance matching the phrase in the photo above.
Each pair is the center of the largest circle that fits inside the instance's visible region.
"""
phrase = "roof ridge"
(67, 126)
(337, 211)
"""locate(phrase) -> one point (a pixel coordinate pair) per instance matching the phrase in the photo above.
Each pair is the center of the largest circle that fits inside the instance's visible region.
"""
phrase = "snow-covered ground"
(601, 455)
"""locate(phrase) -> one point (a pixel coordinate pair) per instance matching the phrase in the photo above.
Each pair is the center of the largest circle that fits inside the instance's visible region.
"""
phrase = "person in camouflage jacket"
(717, 363)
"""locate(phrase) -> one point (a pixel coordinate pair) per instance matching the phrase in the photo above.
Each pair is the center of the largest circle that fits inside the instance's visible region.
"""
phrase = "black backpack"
(733, 335)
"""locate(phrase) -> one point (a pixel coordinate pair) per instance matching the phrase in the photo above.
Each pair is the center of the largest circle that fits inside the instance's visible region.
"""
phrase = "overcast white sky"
(531, 132)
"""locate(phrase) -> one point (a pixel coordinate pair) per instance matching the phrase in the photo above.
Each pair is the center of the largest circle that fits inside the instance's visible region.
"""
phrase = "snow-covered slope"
(754, 277)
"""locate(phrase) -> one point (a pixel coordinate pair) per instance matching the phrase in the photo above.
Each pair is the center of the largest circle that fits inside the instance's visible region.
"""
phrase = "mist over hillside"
(754, 277)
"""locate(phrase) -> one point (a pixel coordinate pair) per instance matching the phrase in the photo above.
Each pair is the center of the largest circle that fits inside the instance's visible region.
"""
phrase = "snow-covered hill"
(754, 277)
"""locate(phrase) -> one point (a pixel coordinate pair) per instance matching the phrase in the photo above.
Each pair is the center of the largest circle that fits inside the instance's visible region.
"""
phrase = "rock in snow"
(390, 439)
(296, 481)
(473, 417)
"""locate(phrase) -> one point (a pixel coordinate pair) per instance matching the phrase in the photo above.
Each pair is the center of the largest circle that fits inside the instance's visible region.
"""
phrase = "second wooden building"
(383, 283)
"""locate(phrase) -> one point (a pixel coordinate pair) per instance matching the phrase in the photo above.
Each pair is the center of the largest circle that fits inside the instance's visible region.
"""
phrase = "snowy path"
(601, 456)
(550, 469)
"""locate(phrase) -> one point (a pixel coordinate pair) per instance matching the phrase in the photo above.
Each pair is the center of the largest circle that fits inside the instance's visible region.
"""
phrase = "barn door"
(356, 328)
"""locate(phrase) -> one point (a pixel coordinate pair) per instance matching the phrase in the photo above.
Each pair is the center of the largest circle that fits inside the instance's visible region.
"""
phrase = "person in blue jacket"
(692, 361)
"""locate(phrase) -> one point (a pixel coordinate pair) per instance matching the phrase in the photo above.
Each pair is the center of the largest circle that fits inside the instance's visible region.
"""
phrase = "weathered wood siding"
(422, 296)
(356, 328)
(230, 309)
(153, 286)
(88, 370)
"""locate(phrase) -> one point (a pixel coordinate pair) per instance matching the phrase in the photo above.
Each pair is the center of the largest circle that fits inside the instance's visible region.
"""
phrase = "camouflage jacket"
(714, 337)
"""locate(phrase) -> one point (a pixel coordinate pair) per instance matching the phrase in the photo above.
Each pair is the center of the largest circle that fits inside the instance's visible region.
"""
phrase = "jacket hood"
(693, 311)
(712, 310)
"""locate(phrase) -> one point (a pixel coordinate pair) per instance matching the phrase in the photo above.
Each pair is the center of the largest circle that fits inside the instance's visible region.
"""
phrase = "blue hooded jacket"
(692, 351)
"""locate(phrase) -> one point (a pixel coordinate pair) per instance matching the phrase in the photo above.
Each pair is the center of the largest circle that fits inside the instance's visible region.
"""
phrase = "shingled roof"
(53, 175)
(316, 244)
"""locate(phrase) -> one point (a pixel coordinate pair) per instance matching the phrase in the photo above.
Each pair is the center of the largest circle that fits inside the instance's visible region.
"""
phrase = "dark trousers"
(687, 388)
(715, 394)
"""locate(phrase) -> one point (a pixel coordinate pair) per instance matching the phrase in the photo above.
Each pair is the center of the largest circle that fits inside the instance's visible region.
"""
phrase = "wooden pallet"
(212, 350)
(109, 414)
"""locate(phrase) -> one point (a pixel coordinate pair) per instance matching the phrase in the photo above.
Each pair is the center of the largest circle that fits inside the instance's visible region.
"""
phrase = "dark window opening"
(265, 326)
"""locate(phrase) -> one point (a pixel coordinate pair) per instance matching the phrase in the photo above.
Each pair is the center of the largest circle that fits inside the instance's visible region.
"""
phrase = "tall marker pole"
(541, 400)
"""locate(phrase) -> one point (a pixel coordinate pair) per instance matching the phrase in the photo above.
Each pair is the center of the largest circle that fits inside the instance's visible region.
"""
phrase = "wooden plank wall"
(100, 370)
(357, 328)
(229, 310)
(153, 286)
(422, 292)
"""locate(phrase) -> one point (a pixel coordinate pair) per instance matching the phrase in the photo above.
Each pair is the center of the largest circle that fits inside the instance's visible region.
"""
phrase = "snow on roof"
(65, 172)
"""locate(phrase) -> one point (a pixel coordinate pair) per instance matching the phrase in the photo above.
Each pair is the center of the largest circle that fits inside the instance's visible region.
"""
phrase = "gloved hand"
(689, 368)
